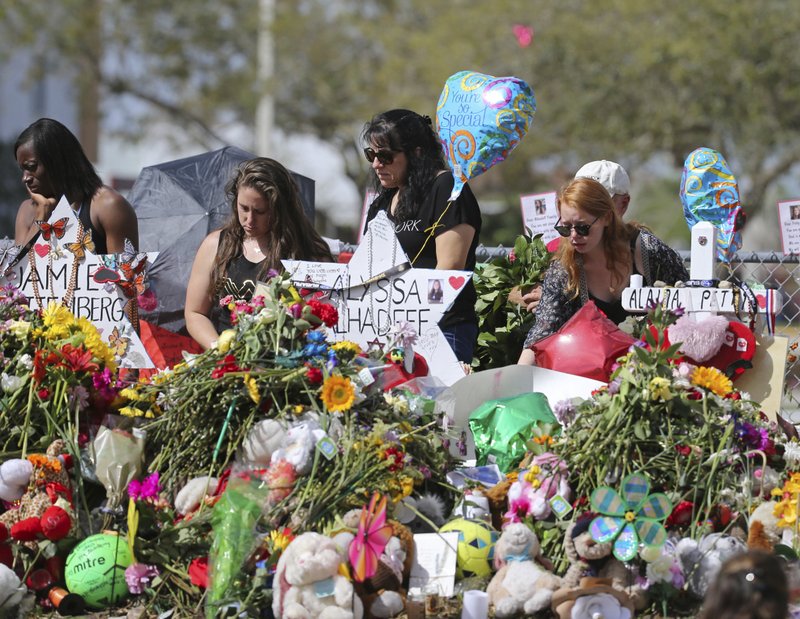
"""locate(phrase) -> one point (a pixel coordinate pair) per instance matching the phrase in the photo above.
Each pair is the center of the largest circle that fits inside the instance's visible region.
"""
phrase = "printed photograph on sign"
(539, 214)
(789, 217)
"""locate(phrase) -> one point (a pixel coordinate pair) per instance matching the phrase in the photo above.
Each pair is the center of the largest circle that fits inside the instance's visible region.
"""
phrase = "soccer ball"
(476, 540)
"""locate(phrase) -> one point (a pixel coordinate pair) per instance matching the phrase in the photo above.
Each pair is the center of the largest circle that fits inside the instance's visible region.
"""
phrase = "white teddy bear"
(702, 560)
(520, 585)
(308, 585)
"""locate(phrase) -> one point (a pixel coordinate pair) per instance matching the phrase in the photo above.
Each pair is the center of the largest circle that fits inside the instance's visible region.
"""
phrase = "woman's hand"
(42, 207)
(527, 357)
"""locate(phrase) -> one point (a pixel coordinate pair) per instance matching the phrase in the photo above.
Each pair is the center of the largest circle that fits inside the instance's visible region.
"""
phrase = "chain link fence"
(772, 270)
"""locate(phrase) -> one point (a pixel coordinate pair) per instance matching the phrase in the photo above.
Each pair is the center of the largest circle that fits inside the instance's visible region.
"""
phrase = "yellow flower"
(130, 394)
(252, 388)
(56, 315)
(408, 485)
(19, 328)
(298, 409)
(338, 393)
(130, 411)
(280, 539)
(94, 343)
(346, 350)
(225, 340)
(713, 380)
(659, 389)
(786, 510)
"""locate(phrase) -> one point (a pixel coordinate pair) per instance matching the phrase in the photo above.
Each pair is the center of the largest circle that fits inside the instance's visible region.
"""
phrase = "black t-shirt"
(413, 231)
(240, 282)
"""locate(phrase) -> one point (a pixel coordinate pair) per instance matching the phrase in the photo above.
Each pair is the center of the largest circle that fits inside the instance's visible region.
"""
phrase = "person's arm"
(199, 296)
(35, 208)
(116, 218)
(554, 310)
(452, 247)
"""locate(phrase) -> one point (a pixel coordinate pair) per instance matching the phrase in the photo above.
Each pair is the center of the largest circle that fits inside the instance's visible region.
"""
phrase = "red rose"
(26, 530)
(6, 556)
(314, 375)
(681, 515)
(325, 312)
(198, 572)
(43, 394)
(55, 523)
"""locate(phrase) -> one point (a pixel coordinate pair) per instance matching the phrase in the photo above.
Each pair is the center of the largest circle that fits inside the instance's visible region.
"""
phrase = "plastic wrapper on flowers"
(502, 427)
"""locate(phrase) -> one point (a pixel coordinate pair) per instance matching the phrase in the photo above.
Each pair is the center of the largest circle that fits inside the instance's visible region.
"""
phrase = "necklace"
(73, 277)
(256, 249)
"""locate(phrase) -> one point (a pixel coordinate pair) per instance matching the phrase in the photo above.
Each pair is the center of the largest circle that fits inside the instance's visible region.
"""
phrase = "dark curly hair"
(413, 134)
(291, 234)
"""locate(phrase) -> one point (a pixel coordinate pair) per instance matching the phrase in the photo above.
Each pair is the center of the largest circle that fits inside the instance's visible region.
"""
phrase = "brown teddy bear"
(384, 595)
(45, 506)
(590, 558)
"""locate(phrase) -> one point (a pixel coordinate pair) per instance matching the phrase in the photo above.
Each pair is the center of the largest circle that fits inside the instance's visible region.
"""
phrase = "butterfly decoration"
(83, 244)
(117, 343)
(8, 257)
(630, 518)
(370, 540)
(132, 287)
(57, 228)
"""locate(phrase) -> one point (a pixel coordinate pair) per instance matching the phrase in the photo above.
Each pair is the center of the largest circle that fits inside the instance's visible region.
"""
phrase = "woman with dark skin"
(267, 224)
(53, 165)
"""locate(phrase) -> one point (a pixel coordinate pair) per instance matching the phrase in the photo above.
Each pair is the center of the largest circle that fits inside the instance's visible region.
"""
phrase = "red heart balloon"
(588, 345)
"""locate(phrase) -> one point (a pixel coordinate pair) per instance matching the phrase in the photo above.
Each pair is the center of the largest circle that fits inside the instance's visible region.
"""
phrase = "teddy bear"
(520, 584)
(701, 560)
(593, 597)
(590, 558)
(384, 594)
(763, 532)
(45, 507)
(308, 584)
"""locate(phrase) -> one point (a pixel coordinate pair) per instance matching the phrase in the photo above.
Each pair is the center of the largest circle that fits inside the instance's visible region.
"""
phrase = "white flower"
(660, 569)
(25, 362)
(791, 454)
(10, 383)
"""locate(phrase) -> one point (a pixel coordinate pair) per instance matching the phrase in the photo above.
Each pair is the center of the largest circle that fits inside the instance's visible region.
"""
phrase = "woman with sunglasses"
(595, 259)
(414, 187)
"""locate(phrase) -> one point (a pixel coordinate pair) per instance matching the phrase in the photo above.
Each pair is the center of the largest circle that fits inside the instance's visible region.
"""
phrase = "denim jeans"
(462, 338)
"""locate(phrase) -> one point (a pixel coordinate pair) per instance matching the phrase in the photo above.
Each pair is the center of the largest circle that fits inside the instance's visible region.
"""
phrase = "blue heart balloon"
(480, 119)
(709, 192)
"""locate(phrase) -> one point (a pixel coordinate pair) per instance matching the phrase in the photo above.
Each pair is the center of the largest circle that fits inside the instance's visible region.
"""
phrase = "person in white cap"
(615, 179)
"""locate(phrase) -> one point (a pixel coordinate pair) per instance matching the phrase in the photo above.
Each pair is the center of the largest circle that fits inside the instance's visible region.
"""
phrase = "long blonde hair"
(592, 199)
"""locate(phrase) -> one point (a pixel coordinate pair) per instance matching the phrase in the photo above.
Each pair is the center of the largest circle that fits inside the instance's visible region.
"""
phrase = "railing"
(769, 268)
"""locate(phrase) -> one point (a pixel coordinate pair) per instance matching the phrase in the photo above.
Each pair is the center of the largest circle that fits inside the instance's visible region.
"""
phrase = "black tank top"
(98, 236)
(240, 282)
(613, 309)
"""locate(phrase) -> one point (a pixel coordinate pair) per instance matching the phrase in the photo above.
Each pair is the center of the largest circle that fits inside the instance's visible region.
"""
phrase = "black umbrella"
(178, 203)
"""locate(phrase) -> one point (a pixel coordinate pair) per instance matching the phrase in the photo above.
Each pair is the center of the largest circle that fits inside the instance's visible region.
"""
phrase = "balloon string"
(430, 231)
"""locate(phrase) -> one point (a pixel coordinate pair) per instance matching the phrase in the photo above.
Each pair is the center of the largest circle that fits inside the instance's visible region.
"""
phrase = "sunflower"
(346, 350)
(713, 380)
(337, 393)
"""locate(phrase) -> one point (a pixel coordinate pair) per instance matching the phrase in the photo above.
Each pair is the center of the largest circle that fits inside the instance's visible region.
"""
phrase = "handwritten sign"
(378, 289)
(539, 214)
(61, 267)
(789, 216)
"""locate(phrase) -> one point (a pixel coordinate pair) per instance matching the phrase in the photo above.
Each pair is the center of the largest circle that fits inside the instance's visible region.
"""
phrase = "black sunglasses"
(385, 156)
(580, 229)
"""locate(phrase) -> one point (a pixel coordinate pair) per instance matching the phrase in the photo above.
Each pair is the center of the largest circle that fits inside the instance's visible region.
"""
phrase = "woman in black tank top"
(267, 224)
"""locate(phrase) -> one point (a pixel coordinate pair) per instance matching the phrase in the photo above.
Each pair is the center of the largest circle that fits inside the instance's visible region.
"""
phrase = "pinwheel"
(372, 537)
(631, 518)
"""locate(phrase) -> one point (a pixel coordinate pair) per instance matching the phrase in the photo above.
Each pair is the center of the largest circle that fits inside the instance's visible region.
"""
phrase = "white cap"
(610, 175)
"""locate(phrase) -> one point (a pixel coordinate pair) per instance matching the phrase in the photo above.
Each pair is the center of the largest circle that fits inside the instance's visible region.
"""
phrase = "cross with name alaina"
(379, 288)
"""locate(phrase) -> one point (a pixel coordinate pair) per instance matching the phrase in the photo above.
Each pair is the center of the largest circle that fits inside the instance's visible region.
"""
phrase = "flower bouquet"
(57, 371)
(503, 324)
